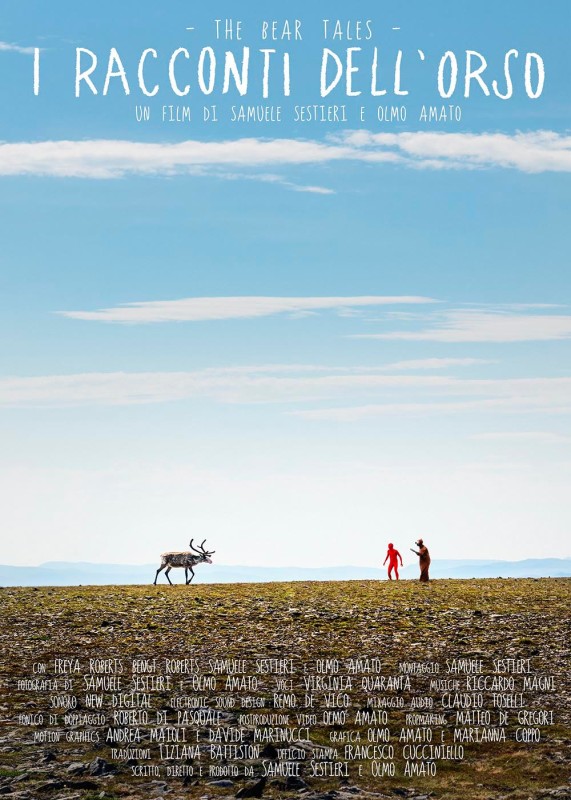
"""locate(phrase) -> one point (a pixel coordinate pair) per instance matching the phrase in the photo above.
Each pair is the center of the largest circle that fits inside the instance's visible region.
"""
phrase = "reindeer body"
(186, 559)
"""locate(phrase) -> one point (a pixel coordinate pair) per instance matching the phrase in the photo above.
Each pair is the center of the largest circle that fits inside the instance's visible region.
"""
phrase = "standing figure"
(392, 557)
(423, 560)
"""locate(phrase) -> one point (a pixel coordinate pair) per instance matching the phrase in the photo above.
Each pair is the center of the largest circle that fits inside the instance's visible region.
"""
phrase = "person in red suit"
(392, 557)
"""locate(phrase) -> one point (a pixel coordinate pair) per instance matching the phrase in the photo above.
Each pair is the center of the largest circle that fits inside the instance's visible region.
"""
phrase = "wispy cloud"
(396, 366)
(484, 326)
(537, 151)
(438, 363)
(107, 158)
(545, 403)
(547, 437)
(197, 309)
(8, 47)
(268, 178)
(376, 393)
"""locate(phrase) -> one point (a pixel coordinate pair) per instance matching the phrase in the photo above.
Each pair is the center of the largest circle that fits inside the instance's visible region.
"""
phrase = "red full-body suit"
(393, 557)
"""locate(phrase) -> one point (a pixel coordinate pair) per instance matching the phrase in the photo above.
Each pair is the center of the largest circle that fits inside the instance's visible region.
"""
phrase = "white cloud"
(420, 364)
(7, 47)
(438, 363)
(107, 158)
(278, 179)
(296, 187)
(485, 326)
(547, 403)
(537, 151)
(383, 393)
(195, 309)
(263, 178)
(548, 437)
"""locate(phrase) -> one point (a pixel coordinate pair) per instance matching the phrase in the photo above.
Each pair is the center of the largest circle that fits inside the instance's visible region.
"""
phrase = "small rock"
(269, 751)
(100, 767)
(253, 789)
(293, 782)
(82, 784)
(49, 786)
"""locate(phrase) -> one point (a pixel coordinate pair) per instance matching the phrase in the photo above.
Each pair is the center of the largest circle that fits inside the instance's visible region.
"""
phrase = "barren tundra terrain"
(359, 624)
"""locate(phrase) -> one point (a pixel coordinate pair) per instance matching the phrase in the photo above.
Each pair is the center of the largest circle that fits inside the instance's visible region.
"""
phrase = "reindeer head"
(204, 554)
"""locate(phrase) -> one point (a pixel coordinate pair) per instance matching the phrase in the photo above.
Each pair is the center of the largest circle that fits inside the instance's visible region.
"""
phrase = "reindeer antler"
(206, 552)
(194, 548)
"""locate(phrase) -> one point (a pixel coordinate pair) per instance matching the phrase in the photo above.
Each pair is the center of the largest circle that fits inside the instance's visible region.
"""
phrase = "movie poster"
(285, 394)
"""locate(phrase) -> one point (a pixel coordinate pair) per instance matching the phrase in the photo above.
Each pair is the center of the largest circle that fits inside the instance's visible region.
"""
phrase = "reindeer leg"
(168, 569)
(186, 575)
(157, 575)
(192, 571)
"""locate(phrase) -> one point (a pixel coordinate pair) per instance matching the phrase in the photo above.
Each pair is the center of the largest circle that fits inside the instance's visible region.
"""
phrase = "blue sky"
(283, 336)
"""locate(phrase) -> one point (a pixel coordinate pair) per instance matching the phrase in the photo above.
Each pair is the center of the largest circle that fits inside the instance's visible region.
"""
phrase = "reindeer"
(186, 559)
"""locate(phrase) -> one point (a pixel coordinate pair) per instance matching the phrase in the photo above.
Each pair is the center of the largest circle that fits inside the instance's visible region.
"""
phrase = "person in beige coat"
(423, 560)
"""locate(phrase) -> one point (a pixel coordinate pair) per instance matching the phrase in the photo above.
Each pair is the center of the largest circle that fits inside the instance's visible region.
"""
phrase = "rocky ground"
(392, 621)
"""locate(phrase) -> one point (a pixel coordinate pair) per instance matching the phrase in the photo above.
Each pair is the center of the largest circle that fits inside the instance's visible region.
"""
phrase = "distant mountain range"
(64, 573)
